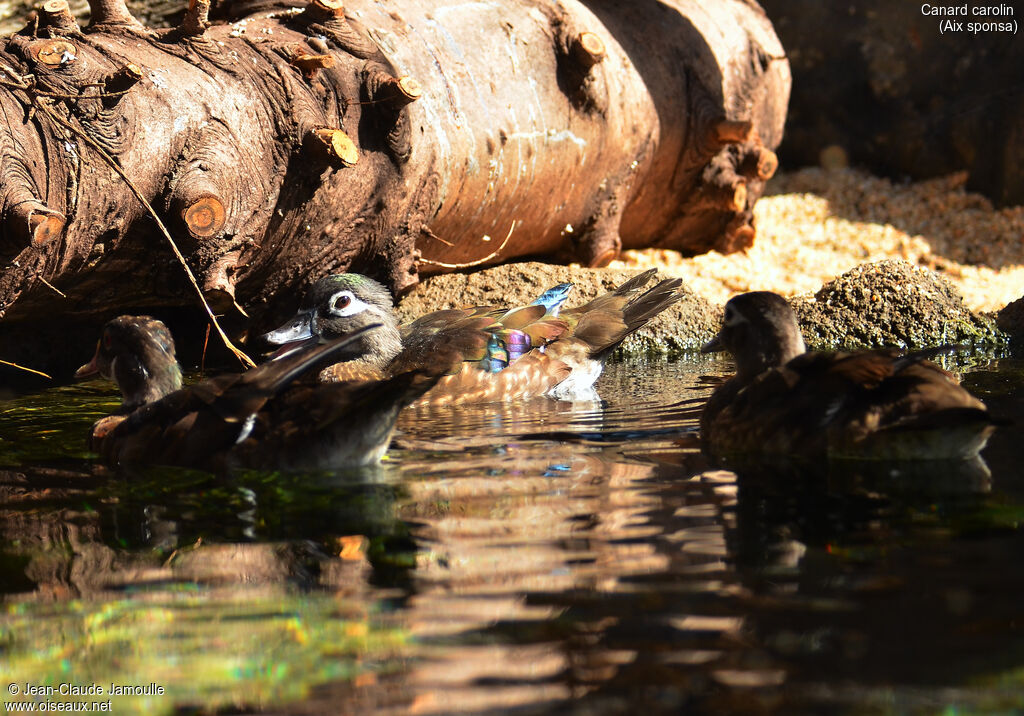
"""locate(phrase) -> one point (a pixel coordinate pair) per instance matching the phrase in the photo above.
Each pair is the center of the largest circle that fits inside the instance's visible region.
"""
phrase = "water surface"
(530, 558)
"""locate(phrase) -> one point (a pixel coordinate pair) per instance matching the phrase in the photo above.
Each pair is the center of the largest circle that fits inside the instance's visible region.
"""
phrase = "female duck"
(486, 353)
(865, 405)
(259, 418)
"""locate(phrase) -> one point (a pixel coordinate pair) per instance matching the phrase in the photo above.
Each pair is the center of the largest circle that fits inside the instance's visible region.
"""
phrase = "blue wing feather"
(553, 298)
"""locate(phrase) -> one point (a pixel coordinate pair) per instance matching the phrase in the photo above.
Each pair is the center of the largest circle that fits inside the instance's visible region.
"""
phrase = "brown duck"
(260, 418)
(866, 405)
(486, 353)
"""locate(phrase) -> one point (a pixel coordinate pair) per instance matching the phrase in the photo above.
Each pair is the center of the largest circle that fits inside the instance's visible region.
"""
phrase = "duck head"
(761, 332)
(337, 305)
(137, 353)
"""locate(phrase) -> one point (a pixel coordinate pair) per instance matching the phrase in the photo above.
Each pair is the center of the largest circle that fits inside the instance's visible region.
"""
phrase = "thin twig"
(28, 370)
(206, 342)
(47, 283)
(431, 235)
(485, 259)
(245, 360)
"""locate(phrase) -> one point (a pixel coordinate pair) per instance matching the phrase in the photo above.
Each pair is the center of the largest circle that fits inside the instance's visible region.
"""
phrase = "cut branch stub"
(739, 197)
(111, 12)
(597, 246)
(330, 8)
(309, 64)
(44, 228)
(728, 197)
(587, 49)
(738, 235)
(218, 283)
(760, 163)
(35, 224)
(337, 145)
(53, 53)
(599, 256)
(119, 82)
(204, 217)
(327, 18)
(400, 91)
(197, 18)
(730, 131)
(56, 14)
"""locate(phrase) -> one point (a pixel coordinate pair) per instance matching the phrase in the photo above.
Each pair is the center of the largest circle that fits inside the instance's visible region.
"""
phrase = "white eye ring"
(344, 303)
(732, 317)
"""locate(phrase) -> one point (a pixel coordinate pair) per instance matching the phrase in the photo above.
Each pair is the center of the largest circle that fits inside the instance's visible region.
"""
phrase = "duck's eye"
(344, 303)
(732, 316)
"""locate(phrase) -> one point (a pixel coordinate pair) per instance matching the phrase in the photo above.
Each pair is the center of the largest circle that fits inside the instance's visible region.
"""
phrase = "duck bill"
(92, 368)
(293, 335)
(715, 345)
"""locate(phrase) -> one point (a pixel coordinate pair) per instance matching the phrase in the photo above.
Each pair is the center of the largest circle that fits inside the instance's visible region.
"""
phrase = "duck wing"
(190, 426)
(444, 341)
(915, 411)
(477, 348)
(866, 405)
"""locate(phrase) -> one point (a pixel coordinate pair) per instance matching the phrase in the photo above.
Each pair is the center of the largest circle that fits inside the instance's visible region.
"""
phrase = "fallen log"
(278, 143)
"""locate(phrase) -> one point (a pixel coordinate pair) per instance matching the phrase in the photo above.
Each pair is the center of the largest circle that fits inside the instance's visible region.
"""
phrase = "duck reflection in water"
(869, 405)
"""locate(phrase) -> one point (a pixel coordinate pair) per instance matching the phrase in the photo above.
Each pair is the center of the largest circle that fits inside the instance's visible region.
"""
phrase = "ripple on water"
(539, 556)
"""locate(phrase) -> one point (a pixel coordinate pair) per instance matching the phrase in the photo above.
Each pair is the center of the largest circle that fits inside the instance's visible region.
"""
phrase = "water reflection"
(541, 556)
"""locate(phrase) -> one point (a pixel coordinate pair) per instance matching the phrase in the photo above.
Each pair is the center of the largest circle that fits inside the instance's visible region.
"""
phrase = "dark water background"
(532, 558)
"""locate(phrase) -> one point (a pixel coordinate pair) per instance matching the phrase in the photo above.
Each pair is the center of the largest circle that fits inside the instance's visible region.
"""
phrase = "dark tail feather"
(637, 282)
(652, 302)
(603, 331)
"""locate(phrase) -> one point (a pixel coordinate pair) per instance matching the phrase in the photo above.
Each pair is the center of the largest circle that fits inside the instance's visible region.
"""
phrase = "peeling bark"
(385, 139)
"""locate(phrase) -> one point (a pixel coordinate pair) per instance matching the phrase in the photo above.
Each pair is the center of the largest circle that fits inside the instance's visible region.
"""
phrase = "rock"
(890, 303)
(1011, 319)
(685, 326)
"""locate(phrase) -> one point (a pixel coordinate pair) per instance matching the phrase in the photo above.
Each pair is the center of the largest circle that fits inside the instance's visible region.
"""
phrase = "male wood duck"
(259, 418)
(866, 405)
(487, 353)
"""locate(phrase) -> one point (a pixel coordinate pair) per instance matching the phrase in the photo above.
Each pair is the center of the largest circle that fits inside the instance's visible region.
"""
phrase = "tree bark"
(290, 142)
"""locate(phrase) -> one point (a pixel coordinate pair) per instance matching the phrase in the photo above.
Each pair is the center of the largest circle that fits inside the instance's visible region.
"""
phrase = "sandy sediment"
(814, 225)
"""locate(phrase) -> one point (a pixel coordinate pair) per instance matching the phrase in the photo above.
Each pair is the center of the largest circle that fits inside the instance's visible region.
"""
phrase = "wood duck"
(866, 405)
(486, 353)
(259, 418)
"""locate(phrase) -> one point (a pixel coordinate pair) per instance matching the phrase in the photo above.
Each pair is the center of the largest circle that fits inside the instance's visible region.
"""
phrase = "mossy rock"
(1011, 319)
(890, 303)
